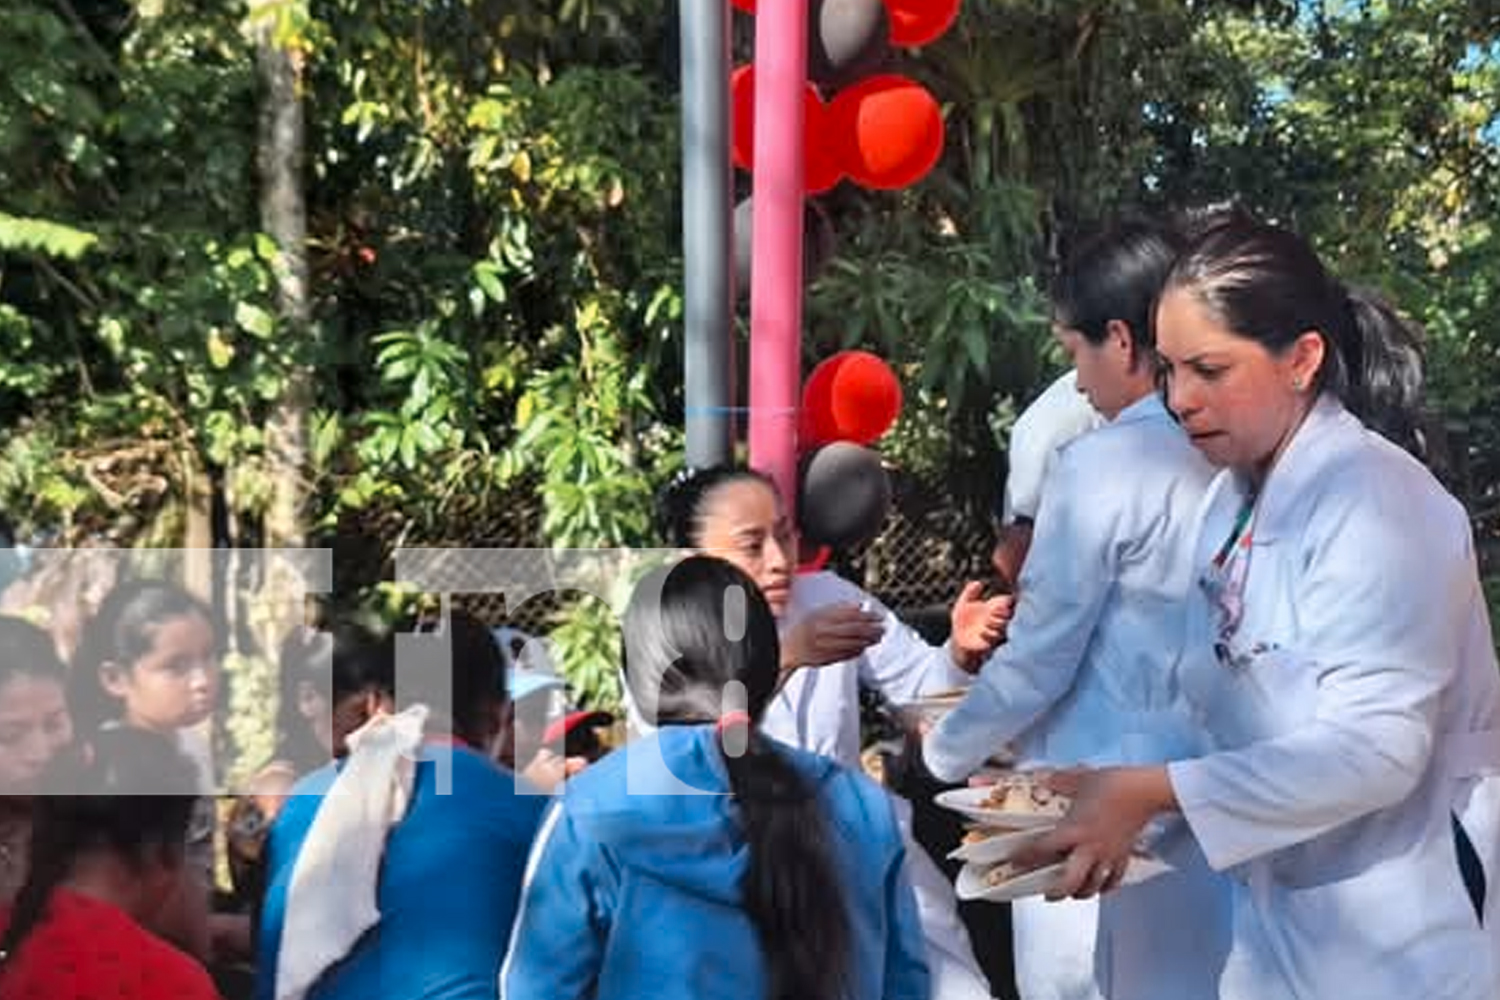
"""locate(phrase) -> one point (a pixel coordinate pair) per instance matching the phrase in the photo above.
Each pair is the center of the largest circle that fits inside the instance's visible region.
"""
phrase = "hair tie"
(734, 718)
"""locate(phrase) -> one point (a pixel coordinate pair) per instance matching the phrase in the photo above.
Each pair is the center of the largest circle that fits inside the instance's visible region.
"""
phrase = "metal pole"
(708, 298)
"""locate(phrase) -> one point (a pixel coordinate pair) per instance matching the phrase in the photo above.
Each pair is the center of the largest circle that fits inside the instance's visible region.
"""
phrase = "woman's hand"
(546, 771)
(1111, 806)
(833, 634)
(979, 625)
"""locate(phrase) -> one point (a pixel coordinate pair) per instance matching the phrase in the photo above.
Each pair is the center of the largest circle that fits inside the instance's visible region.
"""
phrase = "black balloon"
(846, 39)
(817, 243)
(844, 495)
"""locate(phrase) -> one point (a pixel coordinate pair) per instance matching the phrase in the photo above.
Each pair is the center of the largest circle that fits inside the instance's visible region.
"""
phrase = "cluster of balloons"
(844, 494)
(882, 132)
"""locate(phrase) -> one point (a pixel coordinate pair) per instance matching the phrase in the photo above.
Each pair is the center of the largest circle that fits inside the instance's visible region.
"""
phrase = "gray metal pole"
(708, 298)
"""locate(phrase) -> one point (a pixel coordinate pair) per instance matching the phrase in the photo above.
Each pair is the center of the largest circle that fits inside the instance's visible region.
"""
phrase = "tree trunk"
(283, 212)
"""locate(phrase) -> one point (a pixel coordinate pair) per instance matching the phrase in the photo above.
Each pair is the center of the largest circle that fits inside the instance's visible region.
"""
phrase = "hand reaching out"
(979, 625)
(830, 635)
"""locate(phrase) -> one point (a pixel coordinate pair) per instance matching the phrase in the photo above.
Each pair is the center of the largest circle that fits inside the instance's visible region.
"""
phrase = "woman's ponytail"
(1381, 358)
(792, 892)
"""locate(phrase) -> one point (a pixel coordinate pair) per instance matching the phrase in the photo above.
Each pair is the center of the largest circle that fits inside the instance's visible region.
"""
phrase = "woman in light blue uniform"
(1340, 660)
(706, 860)
(1086, 672)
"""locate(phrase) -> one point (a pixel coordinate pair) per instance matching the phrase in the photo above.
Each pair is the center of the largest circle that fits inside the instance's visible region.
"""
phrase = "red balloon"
(852, 396)
(888, 132)
(815, 422)
(820, 161)
(917, 22)
(815, 562)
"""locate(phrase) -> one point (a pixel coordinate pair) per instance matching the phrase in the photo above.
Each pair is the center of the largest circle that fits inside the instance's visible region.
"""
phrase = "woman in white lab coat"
(829, 624)
(1341, 661)
(1085, 675)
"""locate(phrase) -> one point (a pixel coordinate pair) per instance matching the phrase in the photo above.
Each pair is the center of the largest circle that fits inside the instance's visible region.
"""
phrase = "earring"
(1298, 385)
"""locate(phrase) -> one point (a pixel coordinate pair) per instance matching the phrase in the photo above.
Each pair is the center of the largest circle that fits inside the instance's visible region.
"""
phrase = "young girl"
(148, 660)
(35, 728)
(707, 861)
(108, 870)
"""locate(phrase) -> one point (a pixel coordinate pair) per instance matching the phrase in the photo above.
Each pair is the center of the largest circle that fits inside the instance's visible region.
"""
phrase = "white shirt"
(1085, 672)
(818, 707)
(1085, 676)
(1363, 704)
(1060, 414)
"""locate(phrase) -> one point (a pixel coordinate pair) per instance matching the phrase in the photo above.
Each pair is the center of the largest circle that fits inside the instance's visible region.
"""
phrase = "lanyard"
(1238, 534)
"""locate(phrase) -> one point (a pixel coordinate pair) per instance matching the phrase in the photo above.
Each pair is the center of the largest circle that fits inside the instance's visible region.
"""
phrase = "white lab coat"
(1060, 414)
(1086, 676)
(818, 710)
(1366, 708)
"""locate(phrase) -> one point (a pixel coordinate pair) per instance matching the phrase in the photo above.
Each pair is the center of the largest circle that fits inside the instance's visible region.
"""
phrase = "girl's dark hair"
(1115, 275)
(681, 504)
(690, 632)
(471, 670)
(1267, 284)
(28, 651)
(134, 799)
(121, 632)
(305, 657)
(360, 661)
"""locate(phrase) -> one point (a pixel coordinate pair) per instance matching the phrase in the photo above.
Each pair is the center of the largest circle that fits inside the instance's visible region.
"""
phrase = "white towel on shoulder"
(331, 901)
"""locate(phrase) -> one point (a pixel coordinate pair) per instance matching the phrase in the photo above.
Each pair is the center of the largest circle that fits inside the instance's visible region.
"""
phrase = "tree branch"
(70, 14)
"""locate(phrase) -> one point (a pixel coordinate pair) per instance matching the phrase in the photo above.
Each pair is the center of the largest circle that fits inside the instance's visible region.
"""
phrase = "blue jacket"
(634, 887)
(450, 883)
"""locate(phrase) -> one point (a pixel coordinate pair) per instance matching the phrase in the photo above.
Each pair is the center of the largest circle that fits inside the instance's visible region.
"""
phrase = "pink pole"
(776, 255)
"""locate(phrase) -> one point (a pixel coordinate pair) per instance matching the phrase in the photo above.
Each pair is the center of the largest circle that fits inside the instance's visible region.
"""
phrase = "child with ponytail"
(708, 860)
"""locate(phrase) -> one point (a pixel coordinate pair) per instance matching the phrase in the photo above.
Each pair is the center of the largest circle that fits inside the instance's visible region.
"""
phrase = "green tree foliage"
(492, 203)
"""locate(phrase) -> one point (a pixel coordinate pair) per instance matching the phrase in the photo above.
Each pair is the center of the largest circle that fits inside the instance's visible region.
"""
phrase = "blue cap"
(527, 670)
(524, 683)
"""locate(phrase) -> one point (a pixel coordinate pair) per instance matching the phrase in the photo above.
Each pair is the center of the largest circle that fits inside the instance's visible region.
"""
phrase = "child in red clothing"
(108, 869)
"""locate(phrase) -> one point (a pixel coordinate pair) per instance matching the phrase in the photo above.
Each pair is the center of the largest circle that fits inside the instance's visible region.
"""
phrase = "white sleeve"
(1376, 605)
(1064, 584)
(1055, 418)
(903, 666)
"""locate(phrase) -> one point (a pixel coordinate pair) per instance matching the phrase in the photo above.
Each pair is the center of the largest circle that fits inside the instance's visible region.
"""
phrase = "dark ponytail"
(790, 886)
(680, 508)
(134, 798)
(1382, 374)
(688, 651)
(1266, 284)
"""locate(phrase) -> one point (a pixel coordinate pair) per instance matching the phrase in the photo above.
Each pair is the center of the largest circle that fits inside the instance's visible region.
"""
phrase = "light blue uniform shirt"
(634, 888)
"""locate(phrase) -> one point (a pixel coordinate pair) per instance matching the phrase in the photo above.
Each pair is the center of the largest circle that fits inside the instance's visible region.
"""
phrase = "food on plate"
(1027, 795)
(1005, 871)
(979, 834)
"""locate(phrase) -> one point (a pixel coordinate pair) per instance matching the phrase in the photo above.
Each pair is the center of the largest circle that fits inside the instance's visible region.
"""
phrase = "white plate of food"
(1018, 799)
(989, 844)
(1005, 881)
